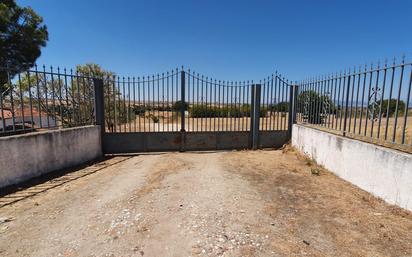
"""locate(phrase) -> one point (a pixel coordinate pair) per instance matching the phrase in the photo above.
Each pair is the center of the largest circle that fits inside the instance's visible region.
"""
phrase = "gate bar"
(292, 108)
(255, 115)
(99, 104)
(182, 111)
(182, 100)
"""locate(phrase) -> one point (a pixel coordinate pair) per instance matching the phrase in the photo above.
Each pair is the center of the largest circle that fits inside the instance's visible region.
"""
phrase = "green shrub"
(279, 107)
(245, 110)
(200, 111)
(374, 108)
(154, 118)
(263, 112)
(315, 107)
(139, 109)
(177, 106)
(162, 108)
(204, 111)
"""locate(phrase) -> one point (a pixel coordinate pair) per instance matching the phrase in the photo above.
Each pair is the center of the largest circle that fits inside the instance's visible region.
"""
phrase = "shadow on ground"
(43, 183)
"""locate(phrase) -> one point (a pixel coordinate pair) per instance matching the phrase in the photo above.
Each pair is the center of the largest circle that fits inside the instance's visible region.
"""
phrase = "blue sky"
(231, 40)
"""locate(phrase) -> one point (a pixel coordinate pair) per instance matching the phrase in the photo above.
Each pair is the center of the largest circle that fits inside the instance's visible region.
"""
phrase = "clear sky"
(231, 40)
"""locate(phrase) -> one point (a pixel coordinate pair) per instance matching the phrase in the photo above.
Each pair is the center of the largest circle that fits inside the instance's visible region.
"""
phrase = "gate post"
(292, 108)
(255, 115)
(347, 107)
(252, 104)
(182, 110)
(99, 105)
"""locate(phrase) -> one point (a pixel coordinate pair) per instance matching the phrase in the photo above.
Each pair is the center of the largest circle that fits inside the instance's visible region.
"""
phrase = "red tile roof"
(7, 114)
(19, 113)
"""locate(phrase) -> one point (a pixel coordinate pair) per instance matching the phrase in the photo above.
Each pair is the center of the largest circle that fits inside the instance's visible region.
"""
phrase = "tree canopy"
(279, 107)
(393, 103)
(314, 107)
(22, 35)
(72, 97)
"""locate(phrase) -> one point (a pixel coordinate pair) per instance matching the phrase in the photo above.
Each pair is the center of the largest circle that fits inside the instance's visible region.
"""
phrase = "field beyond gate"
(182, 110)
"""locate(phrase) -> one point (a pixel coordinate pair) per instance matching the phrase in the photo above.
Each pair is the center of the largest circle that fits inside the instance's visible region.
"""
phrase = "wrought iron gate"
(182, 110)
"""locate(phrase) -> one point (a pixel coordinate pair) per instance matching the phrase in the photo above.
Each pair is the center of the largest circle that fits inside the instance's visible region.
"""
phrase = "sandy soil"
(262, 203)
(167, 122)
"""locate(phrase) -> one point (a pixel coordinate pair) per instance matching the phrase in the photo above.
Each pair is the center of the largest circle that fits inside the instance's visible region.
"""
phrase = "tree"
(69, 100)
(22, 34)
(177, 106)
(55, 96)
(315, 107)
(117, 111)
(375, 107)
(280, 107)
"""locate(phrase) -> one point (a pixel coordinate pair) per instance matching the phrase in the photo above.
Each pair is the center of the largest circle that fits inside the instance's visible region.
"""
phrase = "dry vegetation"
(373, 134)
(169, 121)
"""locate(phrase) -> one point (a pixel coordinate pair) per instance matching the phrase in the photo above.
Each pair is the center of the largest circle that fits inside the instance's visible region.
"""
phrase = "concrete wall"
(26, 156)
(383, 172)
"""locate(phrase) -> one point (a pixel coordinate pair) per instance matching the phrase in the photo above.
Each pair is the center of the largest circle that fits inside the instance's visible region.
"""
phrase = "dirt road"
(262, 203)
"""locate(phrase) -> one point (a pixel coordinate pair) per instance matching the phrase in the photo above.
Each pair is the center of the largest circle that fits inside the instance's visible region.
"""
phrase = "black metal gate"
(182, 110)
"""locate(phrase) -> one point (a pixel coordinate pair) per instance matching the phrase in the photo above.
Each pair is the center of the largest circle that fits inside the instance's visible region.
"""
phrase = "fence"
(182, 99)
(369, 103)
(35, 100)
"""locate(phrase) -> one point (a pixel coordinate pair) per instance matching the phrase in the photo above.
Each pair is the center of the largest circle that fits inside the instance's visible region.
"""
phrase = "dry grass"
(319, 213)
(384, 134)
(169, 121)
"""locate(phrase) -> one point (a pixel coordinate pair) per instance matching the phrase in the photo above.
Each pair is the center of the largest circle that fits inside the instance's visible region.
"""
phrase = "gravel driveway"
(241, 203)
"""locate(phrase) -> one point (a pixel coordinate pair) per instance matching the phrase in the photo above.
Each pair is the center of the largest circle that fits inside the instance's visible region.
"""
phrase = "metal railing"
(371, 103)
(275, 103)
(142, 104)
(41, 99)
(182, 99)
(368, 103)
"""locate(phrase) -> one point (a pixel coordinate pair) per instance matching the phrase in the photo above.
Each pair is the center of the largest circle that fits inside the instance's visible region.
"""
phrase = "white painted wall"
(29, 155)
(383, 172)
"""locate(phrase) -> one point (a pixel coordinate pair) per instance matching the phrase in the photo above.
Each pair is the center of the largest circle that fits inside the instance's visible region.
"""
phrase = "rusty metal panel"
(200, 141)
(273, 139)
(217, 140)
(233, 140)
(141, 142)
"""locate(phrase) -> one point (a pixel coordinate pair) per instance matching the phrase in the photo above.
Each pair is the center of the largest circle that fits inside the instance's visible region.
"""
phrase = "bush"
(245, 109)
(392, 108)
(263, 112)
(162, 108)
(280, 107)
(177, 106)
(324, 106)
(203, 111)
(154, 118)
(200, 111)
(139, 109)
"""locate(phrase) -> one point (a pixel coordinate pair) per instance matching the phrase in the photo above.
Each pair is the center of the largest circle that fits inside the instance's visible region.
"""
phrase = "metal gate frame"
(132, 142)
